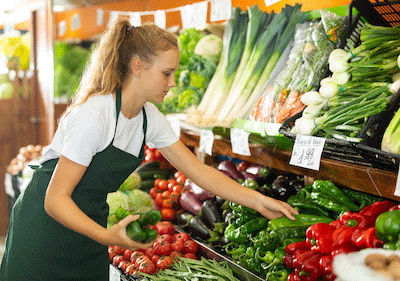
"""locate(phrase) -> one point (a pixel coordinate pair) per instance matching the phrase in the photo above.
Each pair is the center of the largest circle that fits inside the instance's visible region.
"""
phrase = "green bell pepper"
(136, 232)
(388, 226)
(240, 233)
(150, 218)
(151, 235)
(300, 220)
(327, 188)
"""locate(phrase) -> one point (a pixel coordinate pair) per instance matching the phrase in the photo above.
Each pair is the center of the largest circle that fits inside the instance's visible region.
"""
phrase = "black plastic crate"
(382, 13)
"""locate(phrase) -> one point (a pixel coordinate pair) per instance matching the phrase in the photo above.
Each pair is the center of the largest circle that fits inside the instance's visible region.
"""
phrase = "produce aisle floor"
(2, 246)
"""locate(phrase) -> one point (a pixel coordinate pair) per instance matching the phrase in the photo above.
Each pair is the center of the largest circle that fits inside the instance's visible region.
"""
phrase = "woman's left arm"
(216, 182)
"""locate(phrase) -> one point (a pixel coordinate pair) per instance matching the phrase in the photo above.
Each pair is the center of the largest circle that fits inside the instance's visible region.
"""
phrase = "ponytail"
(108, 66)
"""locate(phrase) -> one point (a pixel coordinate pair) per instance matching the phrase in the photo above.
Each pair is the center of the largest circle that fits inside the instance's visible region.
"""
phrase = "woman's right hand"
(118, 237)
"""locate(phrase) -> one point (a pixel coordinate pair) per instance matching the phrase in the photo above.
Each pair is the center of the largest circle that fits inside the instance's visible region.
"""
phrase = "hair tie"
(130, 28)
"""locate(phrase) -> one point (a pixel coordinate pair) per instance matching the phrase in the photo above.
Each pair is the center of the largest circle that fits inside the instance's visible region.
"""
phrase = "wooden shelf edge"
(366, 179)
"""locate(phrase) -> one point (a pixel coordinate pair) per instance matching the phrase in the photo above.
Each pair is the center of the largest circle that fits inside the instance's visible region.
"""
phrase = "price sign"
(307, 151)
(135, 19)
(220, 10)
(206, 141)
(397, 189)
(160, 19)
(115, 275)
(175, 123)
(270, 2)
(240, 141)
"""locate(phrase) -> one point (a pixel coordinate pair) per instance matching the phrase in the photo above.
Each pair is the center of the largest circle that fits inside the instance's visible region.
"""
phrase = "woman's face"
(157, 78)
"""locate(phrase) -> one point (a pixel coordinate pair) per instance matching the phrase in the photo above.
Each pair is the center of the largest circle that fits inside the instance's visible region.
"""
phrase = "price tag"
(99, 16)
(206, 141)
(397, 189)
(76, 22)
(175, 124)
(307, 151)
(135, 19)
(160, 19)
(220, 10)
(115, 275)
(113, 18)
(240, 141)
(62, 28)
(194, 15)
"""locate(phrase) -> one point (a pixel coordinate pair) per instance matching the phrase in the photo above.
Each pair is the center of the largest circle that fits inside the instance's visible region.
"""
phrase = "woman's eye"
(167, 73)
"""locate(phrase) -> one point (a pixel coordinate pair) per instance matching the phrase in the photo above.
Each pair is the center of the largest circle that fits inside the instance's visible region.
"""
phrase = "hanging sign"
(307, 151)
(99, 17)
(270, 2)
(160, 19)
(62, 28)
(206, 141)
(240, 142)
(75, 22)
(220, 10)
(194, 15)
(113, 18)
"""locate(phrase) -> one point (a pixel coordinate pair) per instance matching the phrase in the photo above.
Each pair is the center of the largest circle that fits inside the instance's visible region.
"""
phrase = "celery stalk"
(391, 137)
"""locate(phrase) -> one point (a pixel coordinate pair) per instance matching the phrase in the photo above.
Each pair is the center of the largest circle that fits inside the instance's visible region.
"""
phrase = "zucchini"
(147, 166)
(146, 185)
(154, 174)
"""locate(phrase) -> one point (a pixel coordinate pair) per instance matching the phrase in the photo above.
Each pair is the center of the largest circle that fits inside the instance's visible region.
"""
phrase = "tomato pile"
(166, 194)
(168, 247)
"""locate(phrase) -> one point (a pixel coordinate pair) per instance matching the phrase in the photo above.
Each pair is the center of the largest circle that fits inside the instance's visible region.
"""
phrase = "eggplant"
(190, 203)
(219, 201)
(183, 219)
(297, 183)
(258, 170)
(230, 167)
(198, 228)
(227, 174)
(199, 192)
(248, 175)
(265, 190)
(281, 188)
(210, 213)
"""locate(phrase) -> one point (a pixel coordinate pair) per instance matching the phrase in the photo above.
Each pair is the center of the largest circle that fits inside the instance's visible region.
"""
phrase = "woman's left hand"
(272, 208)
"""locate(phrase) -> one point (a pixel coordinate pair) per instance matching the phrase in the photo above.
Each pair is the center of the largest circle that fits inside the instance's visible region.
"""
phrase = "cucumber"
(147, 166)
(146, 185)
(154, 174)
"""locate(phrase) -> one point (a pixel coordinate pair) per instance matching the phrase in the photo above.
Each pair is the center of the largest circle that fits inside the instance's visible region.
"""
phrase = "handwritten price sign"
(307, 151)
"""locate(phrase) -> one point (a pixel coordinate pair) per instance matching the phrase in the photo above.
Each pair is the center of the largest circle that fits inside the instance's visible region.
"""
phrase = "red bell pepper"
(369, 239)
(395, 207)
(336, 223)
(342, 236)
(310, 267)
(354, 236)
(289, 258)
(294, 276)
(326, 266)
(355, 219)
(377, 208)
(299, 260)
(293, 247)
(344, 250)
(319, 237)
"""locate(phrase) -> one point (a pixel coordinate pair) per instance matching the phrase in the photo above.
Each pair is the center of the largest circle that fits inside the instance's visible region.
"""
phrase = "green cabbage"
(133, 181)
(210, 46)
(139, 201)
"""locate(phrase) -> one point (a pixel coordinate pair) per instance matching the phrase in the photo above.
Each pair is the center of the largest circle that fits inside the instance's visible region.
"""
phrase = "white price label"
(397, 189)
(307, 151)
(99, 17)
(135, 19)
(62, 28)
(240, 141)
(271, 2)
(220, 10)
(76, 22)
(175, 124)
(115, 275)
(206, 141)
(194, 15)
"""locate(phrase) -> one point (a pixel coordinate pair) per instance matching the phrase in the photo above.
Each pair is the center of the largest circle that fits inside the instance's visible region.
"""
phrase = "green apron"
(40, 248)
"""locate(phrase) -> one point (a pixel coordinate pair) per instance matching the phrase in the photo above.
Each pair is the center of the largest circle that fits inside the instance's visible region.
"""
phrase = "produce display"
(25, 155)
(16, 49)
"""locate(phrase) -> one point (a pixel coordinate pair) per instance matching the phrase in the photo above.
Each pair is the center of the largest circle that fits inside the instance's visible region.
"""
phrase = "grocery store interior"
(297, 100)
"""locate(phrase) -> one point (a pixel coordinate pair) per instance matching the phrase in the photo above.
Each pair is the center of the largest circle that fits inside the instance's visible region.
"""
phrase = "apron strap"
(141, 154)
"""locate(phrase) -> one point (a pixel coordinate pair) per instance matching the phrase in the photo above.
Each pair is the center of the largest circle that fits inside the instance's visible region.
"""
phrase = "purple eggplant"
(210, 213)
(200, 193)
(230, 167)
(258, 170)
(248, 175)
(190, 203)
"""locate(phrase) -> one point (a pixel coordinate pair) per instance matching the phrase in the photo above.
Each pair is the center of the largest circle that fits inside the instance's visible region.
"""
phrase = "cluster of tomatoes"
(168, 247)
(166, 194)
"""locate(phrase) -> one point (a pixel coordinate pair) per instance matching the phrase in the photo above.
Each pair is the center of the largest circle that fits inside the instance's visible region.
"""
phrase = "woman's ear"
(136, 66)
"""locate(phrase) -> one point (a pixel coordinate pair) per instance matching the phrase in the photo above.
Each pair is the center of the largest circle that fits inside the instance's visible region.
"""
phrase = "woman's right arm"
(60, 206)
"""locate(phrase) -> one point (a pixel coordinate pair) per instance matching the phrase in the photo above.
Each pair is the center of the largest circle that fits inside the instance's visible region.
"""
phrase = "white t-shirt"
(90, 127)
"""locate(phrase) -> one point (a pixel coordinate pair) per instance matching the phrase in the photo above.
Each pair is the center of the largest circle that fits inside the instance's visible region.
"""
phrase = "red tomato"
(190, 246)
(181, 179)
(112, 253)
(167, 214)
(175, 255)
(158, 200)
(123, 265)
(141, 260)
(168, 203)
(119, 250)
(165, 227)
(149, 251)
(181, 236)
(166, 194)
(178, 188)
(178, 245)
(177, 174)
(131, 269)
(147, 267)
(163, 185)
(164, 262)
(171, 184)
(135, 255)
(155, 259)
(149, 156)
(190, 256)
(165, 237)
(162, 248)
(127, 254)
(153, 192)
(157, 183)
(158, 155)
(117, 259)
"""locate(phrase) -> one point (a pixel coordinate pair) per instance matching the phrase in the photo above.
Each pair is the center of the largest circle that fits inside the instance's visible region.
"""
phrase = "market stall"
(294, 101)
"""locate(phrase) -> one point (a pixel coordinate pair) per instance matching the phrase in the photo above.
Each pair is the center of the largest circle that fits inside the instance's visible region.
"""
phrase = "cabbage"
(116, 200)
(6, 90)
(210, 46)
(133, 181)
(139, 201)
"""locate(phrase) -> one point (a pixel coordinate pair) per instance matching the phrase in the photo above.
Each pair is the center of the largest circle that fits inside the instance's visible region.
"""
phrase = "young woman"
(57, 229)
